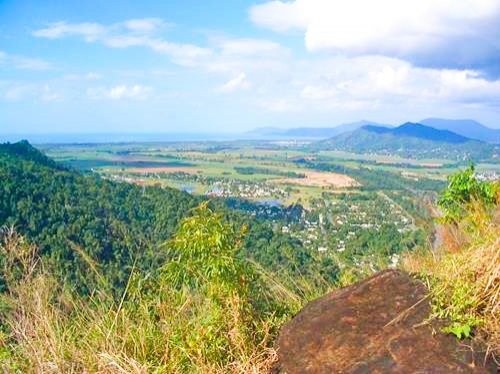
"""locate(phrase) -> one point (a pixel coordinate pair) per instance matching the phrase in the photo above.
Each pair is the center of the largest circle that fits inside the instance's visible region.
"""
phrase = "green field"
(258, 167)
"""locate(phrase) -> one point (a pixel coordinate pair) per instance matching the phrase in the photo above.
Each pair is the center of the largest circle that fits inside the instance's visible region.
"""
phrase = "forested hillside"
(76, 219)
(98, 275)
(411, 140)
(83, 221)
(104, 276)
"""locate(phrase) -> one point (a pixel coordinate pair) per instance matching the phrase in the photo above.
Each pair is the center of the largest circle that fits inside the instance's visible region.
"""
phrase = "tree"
(204, 252)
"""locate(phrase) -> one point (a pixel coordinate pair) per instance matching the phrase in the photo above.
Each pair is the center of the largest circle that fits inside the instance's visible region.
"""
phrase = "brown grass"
(52, 330)
(321, 179)
(464, 273)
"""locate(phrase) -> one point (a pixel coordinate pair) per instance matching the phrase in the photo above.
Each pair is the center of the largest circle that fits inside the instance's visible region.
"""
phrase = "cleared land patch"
(321, 179)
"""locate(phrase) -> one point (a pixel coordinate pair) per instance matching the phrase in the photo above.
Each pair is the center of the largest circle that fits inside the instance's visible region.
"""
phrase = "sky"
(231, 66)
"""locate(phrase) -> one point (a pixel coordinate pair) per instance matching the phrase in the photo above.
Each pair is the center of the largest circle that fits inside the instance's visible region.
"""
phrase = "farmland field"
(347, 198)
(334, 203)
(253, 170)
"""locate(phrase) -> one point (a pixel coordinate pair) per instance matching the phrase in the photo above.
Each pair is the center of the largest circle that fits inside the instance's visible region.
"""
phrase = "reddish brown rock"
(375, 326)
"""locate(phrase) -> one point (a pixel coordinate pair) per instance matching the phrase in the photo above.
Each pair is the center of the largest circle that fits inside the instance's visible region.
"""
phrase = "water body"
(116, 138)
(187, 188)
(270, 202)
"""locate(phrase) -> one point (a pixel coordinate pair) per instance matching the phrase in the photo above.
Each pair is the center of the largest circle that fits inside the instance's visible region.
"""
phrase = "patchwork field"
(258, 171)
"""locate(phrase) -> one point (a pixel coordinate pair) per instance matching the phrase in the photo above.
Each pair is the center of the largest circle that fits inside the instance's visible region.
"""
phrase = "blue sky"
(229, 66)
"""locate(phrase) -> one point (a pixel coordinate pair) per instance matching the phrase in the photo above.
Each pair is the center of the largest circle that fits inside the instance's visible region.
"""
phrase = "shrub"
(464, 275)
(208, 311)
(463, 188)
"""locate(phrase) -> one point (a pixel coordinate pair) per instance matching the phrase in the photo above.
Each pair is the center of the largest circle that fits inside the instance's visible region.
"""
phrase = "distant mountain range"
(410, 140)
(309, 132)
(417, 130)
(466, 128)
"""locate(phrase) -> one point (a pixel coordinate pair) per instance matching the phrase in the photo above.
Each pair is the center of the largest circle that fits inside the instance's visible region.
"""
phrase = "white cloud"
(15, 91)
(118, 92)
(240, 82)
(183, 54)
(145, 25)
(91, 76)
(57, 30)
(372, 83)
(280, 16)
(48, 94)
(227, 55)
(249, 46)
(22, 62)
(131, 33)
(355, 81)
(389, 80)
(122, 91)
(427, 32)
(279, 105)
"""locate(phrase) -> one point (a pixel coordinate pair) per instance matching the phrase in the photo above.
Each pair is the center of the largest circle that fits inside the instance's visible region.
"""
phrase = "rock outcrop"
(375, 326)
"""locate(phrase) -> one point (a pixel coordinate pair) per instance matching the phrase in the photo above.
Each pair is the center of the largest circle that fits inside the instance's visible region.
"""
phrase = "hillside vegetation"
(463, 275)
(99, 276)
(410, 140)
(75, 218)
(80, 220)
(206, 310)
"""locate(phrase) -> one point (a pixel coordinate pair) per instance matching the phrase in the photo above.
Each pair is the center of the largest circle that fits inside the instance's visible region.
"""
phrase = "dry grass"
(49, 329)
(464, 274)
(92, 338)
(321, 179)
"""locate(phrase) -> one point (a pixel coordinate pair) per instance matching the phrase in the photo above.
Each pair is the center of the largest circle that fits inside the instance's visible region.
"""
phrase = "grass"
(164, 324)
(217, 315)
(464, 276)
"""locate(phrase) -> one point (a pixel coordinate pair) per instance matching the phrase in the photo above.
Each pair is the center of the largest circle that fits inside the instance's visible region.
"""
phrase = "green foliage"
(17, 258)
(79, 220)
(460, 331)
(462, 275)
(207, 311)
(457, 304)
(464, 188)
(204, 253)
(455, 299)
(25, 151)
(250, 170)
(89, 229)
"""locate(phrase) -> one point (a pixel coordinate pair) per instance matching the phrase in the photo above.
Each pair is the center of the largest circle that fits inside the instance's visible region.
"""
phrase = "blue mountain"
(465, 127)
(412, 140)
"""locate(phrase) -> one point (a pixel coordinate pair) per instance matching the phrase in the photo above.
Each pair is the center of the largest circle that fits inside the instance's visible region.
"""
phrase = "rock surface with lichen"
(379, 325)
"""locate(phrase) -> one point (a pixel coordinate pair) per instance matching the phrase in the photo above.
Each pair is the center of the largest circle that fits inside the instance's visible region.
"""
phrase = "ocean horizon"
(83, 138)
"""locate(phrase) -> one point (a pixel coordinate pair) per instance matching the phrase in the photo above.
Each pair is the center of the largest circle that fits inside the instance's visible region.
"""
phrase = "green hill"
(71, 216)
(81, 221)
(410, 140)
(103, 270)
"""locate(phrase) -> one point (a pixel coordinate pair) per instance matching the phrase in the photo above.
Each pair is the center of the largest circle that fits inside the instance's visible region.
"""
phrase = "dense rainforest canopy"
(83, 222)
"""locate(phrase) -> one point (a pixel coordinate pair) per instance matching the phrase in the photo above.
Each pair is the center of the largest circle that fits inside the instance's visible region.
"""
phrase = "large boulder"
(375, 326)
